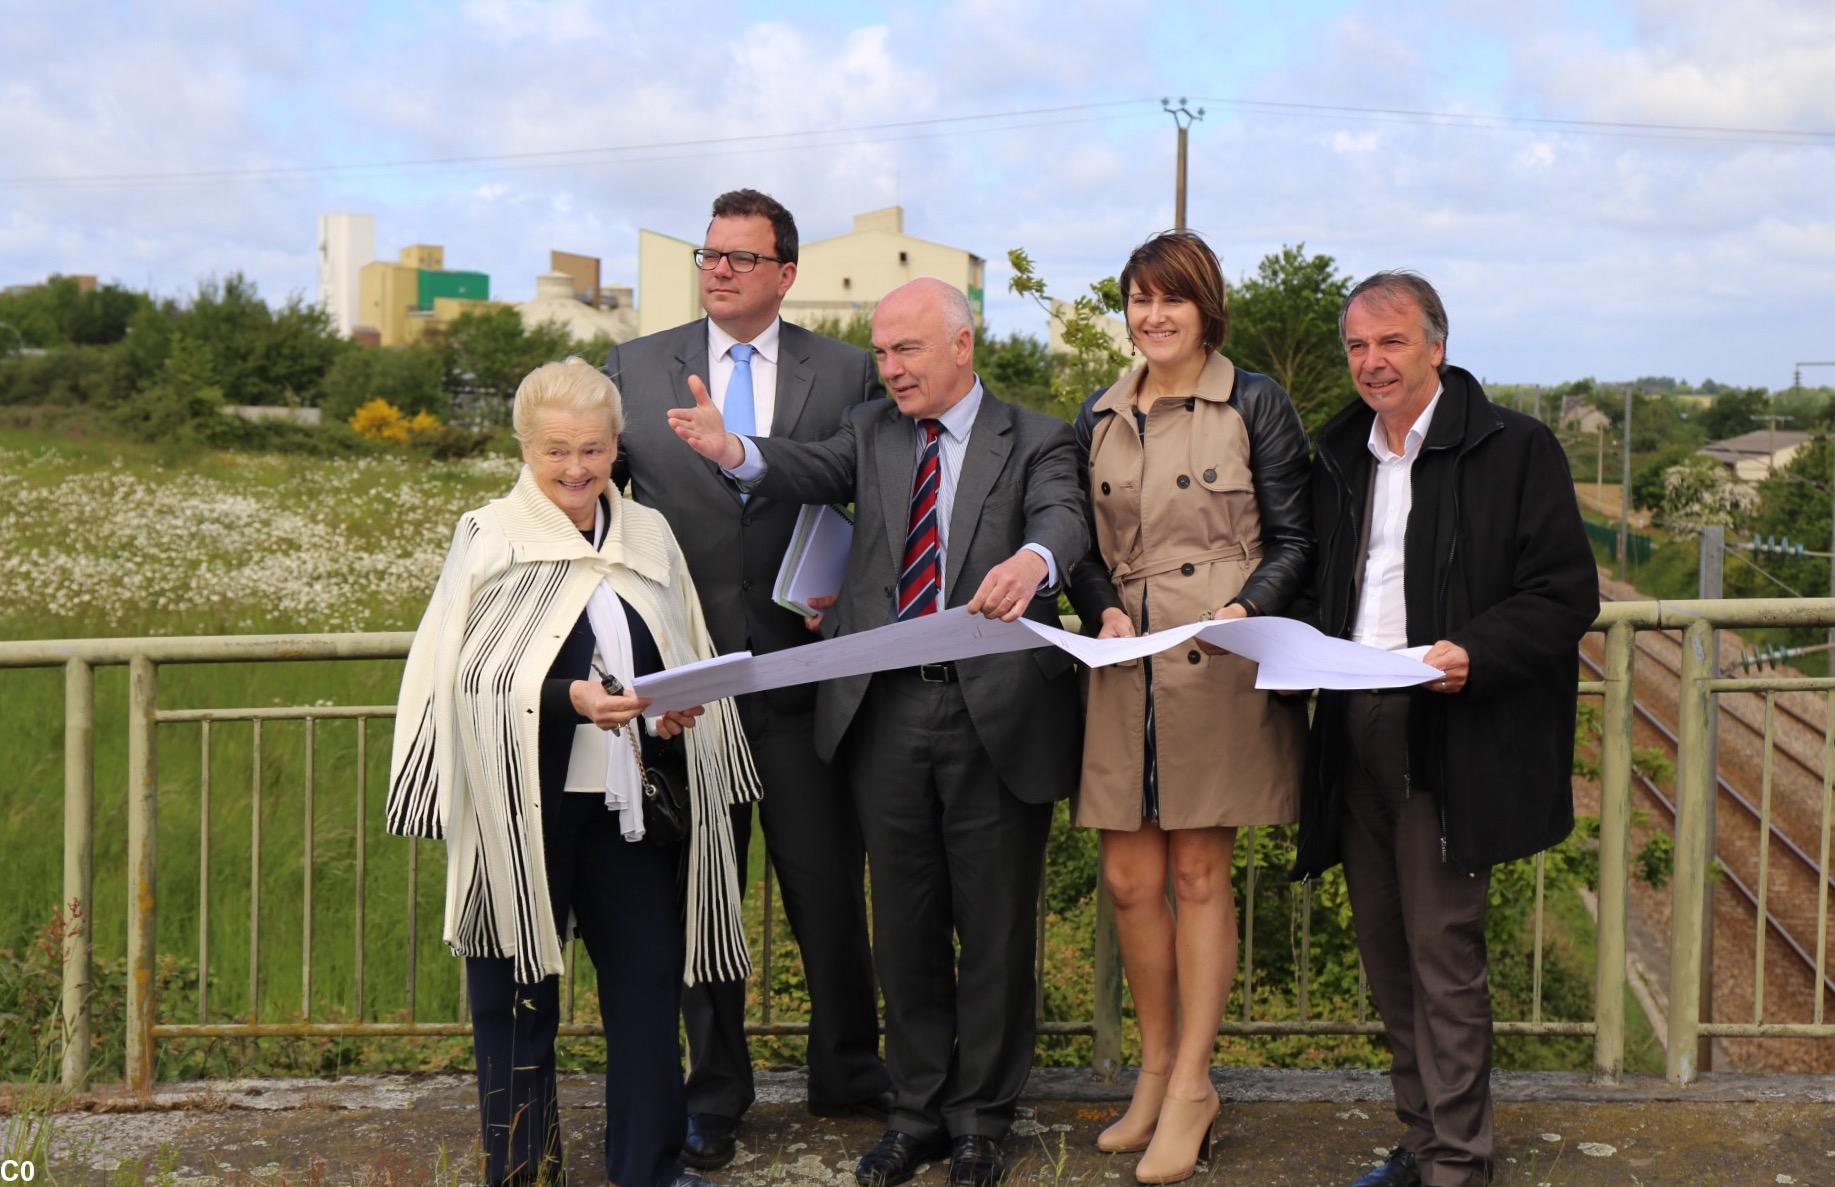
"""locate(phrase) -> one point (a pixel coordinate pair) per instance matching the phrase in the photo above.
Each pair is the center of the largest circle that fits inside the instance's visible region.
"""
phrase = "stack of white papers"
(816, 560)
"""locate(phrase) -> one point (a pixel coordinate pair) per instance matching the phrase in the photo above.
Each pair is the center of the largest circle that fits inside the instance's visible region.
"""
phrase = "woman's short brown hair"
(1182, 264)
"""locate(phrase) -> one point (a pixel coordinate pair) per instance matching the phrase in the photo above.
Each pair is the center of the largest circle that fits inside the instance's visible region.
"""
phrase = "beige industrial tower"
(346, 243)
(836, 277)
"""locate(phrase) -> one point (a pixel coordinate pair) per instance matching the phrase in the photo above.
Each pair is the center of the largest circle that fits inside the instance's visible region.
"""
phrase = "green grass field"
(106, 539)
(102, 539)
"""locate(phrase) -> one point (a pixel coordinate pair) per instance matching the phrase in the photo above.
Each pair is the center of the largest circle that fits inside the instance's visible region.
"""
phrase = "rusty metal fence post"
(1614, 857)
(142, 825)
(1692, 883)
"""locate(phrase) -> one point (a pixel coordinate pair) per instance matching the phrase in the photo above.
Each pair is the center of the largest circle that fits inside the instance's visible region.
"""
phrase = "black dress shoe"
(877, 1107)
(976, 1161)
(1399, 1171)
(896, 1158)
(709, 1143)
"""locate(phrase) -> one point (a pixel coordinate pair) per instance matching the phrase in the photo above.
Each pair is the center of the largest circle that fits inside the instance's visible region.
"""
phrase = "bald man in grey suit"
(963, 500)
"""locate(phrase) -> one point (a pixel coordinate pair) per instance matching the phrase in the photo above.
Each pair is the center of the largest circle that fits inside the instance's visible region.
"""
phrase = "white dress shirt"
(764, 370)
(952, 444)
(1382, 607)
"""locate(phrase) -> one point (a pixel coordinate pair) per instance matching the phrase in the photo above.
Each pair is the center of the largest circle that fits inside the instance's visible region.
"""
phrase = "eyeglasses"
(707, 259)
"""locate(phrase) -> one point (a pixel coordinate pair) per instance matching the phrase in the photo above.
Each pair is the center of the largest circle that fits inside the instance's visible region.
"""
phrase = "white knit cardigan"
(465, 764)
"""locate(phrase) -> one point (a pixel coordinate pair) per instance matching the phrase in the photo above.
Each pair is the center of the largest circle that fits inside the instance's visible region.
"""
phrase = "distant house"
(1578, 413)
(1756, 455)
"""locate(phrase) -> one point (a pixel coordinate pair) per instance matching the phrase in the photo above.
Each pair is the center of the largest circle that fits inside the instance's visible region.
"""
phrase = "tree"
(258, 356)
(1093, 360)
(182, 403)
(58, 313)
(488, 352)
(1017, 367)
(1734, 411)
(411, 378)
(1700, 492)
(857, 330)
(1650, 480)
(1284, 323)
(1793, 505)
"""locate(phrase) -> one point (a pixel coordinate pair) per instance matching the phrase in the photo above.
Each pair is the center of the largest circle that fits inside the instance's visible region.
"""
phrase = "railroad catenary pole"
(1624, 500)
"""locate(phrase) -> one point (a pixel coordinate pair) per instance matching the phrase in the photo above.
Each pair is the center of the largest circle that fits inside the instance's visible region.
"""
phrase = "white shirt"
(952, 446)
(1382, 607)
(764, 370)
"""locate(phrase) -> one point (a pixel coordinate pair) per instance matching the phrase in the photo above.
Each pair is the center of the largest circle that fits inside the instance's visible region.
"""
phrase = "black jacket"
(1497, 561)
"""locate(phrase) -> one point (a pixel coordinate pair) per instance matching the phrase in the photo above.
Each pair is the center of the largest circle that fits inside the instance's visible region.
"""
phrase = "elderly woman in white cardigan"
(511, 744)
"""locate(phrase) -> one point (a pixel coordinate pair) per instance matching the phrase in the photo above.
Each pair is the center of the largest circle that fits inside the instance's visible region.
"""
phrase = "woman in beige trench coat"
(1198, 478)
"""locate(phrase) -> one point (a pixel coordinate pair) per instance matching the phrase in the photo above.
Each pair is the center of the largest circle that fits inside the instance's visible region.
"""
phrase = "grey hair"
(956, 314)
(573, 385)
(1392, 285)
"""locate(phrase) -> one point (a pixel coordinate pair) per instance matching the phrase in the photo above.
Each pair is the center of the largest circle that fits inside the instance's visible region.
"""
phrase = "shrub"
(380, 420)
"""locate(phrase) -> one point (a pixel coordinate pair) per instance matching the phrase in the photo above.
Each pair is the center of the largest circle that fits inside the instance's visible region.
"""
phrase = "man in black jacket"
(1444, 520)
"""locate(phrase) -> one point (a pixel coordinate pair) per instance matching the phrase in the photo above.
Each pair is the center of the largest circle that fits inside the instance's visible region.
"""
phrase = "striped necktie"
(919, 589)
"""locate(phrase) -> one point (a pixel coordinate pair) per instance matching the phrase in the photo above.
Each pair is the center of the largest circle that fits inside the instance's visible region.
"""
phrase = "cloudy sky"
(1546, 164)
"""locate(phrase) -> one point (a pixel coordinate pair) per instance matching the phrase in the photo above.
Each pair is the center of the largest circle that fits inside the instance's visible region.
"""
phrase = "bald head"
(924, 342)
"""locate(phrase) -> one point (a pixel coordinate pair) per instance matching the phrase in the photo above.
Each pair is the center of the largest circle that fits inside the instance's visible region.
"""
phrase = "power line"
(932, 128)
(758, 141)
(736, 150)
(1526, 123)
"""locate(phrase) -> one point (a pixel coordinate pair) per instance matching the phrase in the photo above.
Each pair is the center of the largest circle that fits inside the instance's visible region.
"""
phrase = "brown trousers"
(1421, 929)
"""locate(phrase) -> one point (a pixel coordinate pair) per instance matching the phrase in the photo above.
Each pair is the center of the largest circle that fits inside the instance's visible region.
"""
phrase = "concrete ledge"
(1278, 1129)
(1071, 1085)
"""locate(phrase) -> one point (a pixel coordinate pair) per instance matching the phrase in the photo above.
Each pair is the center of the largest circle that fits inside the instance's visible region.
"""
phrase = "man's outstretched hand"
(704, 428)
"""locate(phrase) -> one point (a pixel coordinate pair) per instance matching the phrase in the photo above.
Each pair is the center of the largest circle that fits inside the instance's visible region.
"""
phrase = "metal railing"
(1690, 888)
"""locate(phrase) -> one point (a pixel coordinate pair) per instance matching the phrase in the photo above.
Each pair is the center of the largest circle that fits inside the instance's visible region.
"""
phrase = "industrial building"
(836, 277)
(569, 294)
(401, 300)
(346, 243)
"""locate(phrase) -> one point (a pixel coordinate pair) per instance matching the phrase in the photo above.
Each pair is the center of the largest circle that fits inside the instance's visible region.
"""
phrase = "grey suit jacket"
(1019, 485)
(733, 549)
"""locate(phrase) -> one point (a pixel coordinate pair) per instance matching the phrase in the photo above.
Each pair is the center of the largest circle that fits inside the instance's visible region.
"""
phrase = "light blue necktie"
(741, 416)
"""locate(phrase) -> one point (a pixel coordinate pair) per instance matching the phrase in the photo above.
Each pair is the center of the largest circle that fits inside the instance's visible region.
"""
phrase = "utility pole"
(1599, 468)
(1184, 117)
(1624, 500)
(1771, 420)
(1796, 385)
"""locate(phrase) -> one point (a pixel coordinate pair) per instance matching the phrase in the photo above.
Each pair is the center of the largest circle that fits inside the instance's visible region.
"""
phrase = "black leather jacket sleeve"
(1280, 467)
(1088, 586)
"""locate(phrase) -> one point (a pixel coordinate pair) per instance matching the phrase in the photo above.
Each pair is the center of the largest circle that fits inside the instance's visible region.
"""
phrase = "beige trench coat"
(1178, 528)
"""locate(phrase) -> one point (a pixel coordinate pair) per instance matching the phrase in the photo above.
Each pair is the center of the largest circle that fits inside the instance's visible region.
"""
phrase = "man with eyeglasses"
(780, 381)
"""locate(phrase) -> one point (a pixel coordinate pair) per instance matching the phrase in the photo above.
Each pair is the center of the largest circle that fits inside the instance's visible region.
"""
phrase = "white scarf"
(612, 639)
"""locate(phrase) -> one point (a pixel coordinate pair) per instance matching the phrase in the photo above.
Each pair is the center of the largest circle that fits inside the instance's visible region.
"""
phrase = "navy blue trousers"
(624, 900)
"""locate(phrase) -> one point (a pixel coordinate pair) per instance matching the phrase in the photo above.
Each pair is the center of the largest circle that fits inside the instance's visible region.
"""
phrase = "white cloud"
(1626, 256)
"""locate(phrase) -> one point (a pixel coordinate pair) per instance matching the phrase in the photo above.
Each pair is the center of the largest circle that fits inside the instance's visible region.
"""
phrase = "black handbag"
(667, 815)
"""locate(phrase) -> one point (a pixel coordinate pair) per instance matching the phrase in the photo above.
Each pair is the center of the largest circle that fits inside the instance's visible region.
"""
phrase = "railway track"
(1744, 881)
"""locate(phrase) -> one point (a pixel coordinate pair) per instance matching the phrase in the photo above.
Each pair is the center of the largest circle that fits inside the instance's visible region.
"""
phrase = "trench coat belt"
(1124, 572)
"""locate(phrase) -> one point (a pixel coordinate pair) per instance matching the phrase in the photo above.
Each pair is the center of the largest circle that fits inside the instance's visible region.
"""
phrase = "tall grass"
(105, 540)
